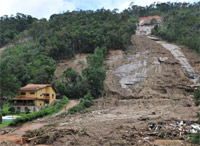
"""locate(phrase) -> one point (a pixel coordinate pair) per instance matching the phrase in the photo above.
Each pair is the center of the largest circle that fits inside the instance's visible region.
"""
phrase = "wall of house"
(39, 102)
(50, 91)
(40, 92)
(28, 94)
(52, 94)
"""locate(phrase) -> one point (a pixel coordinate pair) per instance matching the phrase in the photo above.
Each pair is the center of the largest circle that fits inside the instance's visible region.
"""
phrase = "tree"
(8, 84)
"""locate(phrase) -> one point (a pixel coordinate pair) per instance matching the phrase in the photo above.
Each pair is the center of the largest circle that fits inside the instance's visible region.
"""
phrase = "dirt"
(78, 63)
(145, 84)
(15, 136)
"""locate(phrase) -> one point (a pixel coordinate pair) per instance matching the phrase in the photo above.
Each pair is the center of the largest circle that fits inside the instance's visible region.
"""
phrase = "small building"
(147, 23)
(33, 97)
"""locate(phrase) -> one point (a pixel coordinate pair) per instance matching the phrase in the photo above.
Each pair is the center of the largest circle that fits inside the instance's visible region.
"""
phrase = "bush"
(11, 110)
(85, 102)
(5, 110)
(43, 112)
(195, 138)
(27, 110)
(197, 96)
(0, 118)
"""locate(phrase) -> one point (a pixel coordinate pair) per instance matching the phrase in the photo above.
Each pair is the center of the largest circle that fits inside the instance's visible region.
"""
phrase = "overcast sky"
(45, 8)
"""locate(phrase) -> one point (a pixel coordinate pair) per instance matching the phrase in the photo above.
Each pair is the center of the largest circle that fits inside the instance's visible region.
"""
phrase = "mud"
(144, 85)
(187, 68)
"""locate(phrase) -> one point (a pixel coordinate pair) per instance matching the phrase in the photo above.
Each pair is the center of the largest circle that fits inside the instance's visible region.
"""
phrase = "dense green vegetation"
(197, 96)
(181, 25)
(45, 42)
(44, 112)
(10, 27)
(195, 138)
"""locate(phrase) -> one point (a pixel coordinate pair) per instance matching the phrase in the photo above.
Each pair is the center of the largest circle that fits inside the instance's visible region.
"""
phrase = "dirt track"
(144, 85)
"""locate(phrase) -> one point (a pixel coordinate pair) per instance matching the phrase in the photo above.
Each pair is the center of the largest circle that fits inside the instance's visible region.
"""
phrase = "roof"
(149, 17)
(34, 87)
(30, 98)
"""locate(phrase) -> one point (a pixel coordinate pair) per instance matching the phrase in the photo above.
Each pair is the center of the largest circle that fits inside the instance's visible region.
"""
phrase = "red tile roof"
(34, 87)
(28, 98)
(149, 17)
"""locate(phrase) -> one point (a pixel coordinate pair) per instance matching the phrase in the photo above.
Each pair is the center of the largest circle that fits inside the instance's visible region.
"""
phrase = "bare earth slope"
(144, 85)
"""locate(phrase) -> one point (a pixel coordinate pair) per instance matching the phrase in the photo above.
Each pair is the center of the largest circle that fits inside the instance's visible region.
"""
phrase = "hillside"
(41, 44)
(159, 95)
(134, 87)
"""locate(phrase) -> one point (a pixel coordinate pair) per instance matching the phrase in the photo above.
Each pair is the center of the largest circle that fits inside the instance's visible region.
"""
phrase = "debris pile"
(176, 127)
(167, 130)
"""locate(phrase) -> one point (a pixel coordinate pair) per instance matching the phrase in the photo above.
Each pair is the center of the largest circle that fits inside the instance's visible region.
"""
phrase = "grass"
(5, 124)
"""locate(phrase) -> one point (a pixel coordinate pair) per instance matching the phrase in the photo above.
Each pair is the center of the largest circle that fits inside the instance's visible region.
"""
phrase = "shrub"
(85, 102)
(11, 110)
(5, 110)
(0, 118)
(27, 110)
(195, 138)
(197, 96)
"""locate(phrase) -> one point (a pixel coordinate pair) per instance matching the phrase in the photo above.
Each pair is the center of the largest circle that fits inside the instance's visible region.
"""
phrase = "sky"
(45, 8)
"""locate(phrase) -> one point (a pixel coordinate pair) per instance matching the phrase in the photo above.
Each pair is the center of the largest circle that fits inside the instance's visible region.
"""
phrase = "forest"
(40, 44)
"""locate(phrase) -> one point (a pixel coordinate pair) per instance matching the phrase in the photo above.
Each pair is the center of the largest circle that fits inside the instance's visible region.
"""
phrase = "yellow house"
(34, 97)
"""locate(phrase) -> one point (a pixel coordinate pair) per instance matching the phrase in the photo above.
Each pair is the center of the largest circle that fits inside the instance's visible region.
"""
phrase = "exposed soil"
(144, 85)
(78, 63)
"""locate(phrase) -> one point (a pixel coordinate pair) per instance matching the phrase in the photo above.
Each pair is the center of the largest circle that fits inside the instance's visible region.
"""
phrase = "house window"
(32, 93)
(18, 108)
(46, 94)
(52, 95)
(22, 93)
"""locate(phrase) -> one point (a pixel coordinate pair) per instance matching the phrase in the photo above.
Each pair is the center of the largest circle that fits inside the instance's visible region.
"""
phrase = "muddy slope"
(145, 84)
(147, 71)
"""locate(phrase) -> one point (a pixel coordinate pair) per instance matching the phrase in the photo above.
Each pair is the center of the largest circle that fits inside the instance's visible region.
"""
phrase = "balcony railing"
(23, 104)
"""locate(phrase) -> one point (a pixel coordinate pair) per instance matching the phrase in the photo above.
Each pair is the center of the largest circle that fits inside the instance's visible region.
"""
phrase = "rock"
(163, 59)
(143, 118)
(187, 105)
(153, 38)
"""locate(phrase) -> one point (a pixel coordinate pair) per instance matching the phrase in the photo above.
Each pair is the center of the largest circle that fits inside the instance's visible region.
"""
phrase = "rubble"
(179, 55)
(163, 59)
(175, 128)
